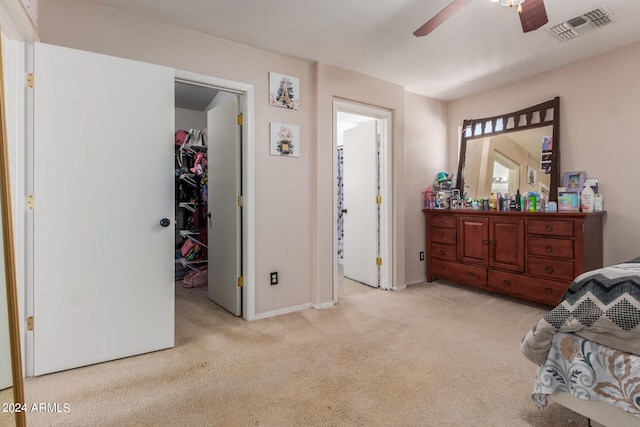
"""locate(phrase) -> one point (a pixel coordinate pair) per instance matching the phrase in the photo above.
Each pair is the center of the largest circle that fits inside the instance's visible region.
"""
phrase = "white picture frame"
(284, 140)
(284, 91)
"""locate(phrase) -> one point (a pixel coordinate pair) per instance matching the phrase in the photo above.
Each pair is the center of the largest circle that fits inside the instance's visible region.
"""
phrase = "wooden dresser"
(527, 255)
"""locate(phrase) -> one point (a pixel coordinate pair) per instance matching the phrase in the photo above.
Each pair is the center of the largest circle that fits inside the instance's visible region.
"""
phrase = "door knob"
(344, 211)
(165, 222)
(209, 215)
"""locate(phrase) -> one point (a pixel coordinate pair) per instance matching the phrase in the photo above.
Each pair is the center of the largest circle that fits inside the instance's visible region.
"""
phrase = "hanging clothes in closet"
(191, 207)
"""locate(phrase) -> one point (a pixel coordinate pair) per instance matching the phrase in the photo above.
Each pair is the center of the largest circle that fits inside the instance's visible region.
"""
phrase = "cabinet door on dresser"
(473, 239)
(506, 243)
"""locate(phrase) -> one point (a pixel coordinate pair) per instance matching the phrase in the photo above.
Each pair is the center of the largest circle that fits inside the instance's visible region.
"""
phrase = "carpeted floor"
(429, 355)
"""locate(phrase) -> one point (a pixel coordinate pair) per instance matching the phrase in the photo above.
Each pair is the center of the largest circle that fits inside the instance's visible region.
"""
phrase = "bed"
(588, 347)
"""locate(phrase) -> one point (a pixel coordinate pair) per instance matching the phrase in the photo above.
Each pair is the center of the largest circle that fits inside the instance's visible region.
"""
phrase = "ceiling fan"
(533, 15)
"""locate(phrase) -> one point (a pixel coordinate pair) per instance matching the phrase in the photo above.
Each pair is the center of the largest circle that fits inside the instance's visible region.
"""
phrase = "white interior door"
(359, 191)
(103, 180)
(225, 250)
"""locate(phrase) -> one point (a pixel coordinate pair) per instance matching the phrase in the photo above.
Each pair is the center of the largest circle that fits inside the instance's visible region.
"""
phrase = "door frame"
(248, 178)
(384, 117)
(248, 225)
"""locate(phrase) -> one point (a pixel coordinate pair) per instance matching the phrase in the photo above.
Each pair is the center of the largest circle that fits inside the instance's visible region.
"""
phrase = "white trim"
(324, 305)
(399, 287)
(283, 311)
(16, 22)
(386, 225)
(415, 282)
(248, 179)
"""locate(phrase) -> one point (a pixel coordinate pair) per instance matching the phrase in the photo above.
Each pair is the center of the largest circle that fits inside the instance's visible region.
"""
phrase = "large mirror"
(11, 386)
(511, 152)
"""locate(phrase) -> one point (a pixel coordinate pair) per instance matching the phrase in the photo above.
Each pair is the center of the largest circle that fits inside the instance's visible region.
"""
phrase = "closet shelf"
(187, 234)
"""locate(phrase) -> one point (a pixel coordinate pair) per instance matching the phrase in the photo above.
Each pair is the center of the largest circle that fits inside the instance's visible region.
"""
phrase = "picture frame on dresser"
(574, 181)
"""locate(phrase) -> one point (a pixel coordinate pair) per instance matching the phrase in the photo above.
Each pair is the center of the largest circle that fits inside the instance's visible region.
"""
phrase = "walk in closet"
(191, 184)
(208, 193)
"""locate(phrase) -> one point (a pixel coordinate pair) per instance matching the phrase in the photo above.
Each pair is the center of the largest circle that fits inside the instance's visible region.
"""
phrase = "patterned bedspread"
(602, 305)
(591, 371)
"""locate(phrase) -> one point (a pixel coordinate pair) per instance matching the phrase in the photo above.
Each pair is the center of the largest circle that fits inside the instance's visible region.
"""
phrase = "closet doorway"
(362, 190)
(209, 192)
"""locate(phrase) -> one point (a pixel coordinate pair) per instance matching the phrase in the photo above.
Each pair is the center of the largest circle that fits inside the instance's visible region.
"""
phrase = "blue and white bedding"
(602, 305)
(589, 344)
(590, 371)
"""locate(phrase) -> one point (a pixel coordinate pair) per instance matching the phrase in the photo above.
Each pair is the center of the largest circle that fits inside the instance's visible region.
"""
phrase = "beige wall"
(295, 192)
(283, 186)
(599, 110)
(425, 156)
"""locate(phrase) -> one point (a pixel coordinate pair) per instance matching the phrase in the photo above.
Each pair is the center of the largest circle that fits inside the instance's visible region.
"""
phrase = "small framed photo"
(574, 181)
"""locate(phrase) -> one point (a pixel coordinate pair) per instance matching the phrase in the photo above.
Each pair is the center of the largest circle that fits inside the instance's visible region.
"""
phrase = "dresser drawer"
(550, 227)
(439, 250)
(556, 269)
(556, 248)
(443, 235)
(448, 221)
(543, 291)
(460, 273)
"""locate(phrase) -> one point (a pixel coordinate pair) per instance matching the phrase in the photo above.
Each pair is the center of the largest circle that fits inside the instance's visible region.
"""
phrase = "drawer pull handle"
(548, 249)
(441, 221)
(486, 242)
(492, 242)
(506, 282)
(441, 251)
(548, 227)
(548, 269)
(548, 290)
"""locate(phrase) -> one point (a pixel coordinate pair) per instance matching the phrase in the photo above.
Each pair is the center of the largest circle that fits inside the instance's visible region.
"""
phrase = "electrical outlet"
(421, 255)
(274, 278)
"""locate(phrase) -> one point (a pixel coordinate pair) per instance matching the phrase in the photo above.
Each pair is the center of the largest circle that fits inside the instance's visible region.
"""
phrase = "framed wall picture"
(284, 140)
(574, 181)
(284, 91)
(531, 176)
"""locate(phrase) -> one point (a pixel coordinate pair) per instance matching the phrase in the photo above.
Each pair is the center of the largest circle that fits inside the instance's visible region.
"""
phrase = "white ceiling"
(480, 47)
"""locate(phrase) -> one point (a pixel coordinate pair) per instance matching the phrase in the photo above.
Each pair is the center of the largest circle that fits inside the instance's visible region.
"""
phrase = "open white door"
(103, 284)
(225, 223)
(361, 217)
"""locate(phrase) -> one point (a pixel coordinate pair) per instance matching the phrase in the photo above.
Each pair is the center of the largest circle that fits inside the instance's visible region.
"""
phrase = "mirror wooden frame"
(544, 114)
(9, 258)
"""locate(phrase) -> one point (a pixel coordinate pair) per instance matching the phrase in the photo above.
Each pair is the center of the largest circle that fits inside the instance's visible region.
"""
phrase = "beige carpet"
(429, 355)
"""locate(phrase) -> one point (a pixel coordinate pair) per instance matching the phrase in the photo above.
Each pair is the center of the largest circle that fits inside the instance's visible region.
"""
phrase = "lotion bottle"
(587, 199)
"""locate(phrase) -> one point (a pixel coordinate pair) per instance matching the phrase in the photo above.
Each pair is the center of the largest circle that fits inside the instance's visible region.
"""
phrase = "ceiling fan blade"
(440, 17)
(533, 15)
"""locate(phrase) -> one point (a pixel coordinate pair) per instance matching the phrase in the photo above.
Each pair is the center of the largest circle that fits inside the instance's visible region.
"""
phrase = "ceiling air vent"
(573, 27)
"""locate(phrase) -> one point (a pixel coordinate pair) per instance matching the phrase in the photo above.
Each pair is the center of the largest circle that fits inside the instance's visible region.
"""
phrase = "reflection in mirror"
(511, 152)
(508, 162)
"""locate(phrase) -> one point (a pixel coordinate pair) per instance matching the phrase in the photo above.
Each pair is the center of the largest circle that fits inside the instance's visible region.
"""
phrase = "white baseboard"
(324, 305)
(415, 282)
(282, 311)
